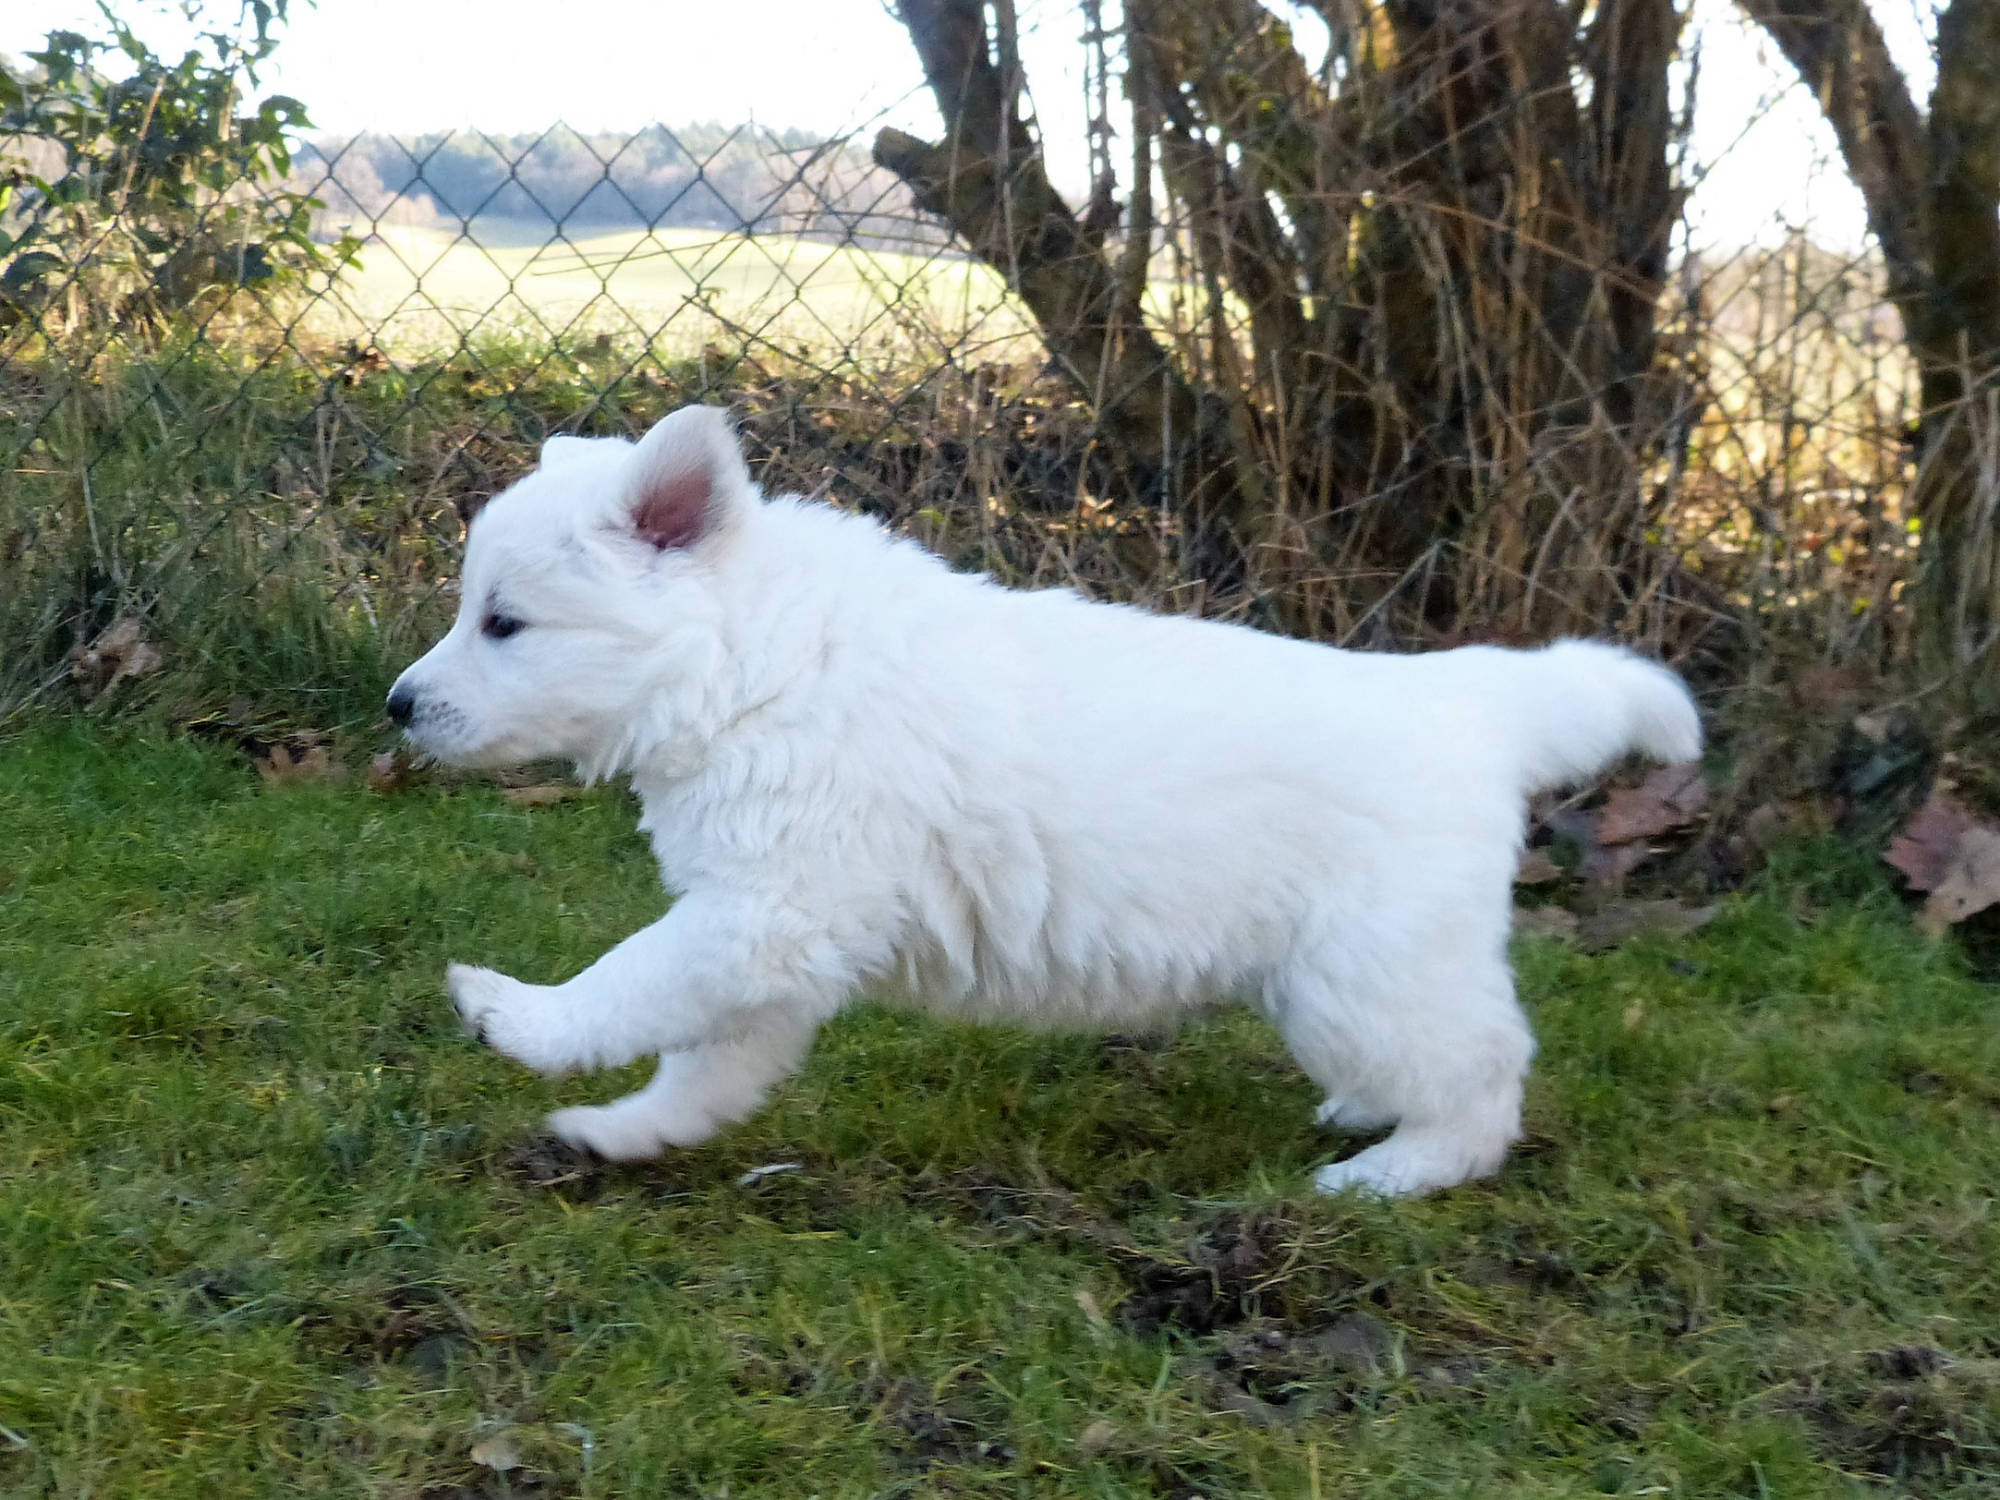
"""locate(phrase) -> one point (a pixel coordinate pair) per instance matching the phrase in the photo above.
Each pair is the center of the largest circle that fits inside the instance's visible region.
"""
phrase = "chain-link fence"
(286, 460)
(268, 470)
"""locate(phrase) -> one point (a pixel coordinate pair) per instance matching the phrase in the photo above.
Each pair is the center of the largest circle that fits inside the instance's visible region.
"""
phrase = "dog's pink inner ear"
(673, 510)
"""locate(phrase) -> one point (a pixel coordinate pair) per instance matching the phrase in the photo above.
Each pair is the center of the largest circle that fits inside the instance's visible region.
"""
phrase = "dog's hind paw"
(1412, 1163)
(1349, 1114)
(606, 1132)
(514, 1019)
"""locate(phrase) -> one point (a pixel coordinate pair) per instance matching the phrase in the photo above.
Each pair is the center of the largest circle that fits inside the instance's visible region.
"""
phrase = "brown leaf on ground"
(120, 652)
(1971, 884)
(1609, 864)
(1545, 921)
(1536, 868)
(497, 1453)
(1086, 1300)
(544, 795)
(1619, 921)
(392, 771)
(1096, 1438)
(1671, 797)
(1926, 848)
(284, 765)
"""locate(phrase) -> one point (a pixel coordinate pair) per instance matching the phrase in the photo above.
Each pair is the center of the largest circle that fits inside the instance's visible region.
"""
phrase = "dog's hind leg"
(694, 1094)
(1429, 1040)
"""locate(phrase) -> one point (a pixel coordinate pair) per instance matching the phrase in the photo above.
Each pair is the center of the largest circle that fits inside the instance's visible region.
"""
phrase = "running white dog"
(864, 772)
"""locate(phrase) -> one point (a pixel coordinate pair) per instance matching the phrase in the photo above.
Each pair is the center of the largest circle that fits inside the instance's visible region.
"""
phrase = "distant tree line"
(708, 176)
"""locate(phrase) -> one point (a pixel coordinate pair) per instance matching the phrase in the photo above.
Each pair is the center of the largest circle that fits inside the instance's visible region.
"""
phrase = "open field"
(271, 1226)
(682, 288)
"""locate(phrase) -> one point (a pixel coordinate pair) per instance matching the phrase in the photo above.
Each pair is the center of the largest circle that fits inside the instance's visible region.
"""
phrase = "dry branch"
(988, 182)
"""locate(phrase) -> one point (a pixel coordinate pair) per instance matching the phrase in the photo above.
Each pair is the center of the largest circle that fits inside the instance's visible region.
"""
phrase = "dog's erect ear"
(564, 449)
(688, 478)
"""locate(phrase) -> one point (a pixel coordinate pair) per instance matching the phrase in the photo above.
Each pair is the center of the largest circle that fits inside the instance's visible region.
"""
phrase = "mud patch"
(1271, 1376)
(929, 1431)
(1225, 1275)
(1906, 1412)
(545, 1162)
(1198, 1278)
(408, 1323)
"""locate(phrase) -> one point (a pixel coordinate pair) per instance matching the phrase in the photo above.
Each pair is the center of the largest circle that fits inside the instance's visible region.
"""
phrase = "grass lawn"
(270, 1226)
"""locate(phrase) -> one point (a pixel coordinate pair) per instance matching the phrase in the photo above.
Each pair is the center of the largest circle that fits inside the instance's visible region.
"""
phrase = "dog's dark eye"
(498, 626)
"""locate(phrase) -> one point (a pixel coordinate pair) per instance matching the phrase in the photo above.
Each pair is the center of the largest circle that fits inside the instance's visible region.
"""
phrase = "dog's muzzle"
(402, 707)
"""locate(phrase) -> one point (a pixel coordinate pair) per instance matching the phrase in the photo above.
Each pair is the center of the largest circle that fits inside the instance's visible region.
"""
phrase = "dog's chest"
(682, 827)
(715, 829)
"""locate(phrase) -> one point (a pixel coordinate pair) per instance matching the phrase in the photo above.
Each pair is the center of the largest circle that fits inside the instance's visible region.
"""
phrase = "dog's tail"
(1580, 705)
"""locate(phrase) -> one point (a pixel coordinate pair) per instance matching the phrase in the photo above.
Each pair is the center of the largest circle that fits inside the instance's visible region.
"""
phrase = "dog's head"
(590, 611)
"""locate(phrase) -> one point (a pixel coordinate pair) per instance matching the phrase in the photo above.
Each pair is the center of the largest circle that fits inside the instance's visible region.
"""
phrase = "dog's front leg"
(692, 978)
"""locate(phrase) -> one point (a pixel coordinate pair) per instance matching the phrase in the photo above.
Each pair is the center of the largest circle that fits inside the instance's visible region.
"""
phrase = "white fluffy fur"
(865, 773)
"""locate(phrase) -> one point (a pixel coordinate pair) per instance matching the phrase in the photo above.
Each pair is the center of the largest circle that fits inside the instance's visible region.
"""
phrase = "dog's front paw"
(516, 1020)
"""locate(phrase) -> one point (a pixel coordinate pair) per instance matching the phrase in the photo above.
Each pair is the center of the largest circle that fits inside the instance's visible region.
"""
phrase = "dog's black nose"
(402, 706)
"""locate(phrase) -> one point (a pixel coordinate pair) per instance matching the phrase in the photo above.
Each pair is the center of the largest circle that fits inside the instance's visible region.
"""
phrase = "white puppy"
(865, 773)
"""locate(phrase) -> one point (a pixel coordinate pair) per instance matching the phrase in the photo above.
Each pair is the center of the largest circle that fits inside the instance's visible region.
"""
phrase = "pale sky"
(406, 66)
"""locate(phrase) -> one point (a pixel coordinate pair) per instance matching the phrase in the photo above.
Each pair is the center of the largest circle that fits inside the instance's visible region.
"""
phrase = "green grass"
(270, 1226)
(285, 522)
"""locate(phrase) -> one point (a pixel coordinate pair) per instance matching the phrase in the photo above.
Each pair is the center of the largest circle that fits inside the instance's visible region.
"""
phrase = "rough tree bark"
(987, 180)
(1932, 192)
(1958, 599)
(1431, 276)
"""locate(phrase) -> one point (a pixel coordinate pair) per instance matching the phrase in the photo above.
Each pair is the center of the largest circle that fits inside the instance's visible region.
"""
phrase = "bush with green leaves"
(133, 196)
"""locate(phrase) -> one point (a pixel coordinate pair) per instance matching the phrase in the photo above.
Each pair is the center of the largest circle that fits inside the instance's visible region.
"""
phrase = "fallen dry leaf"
(1619, 921)
(1545, 921)
(392, 771)
(1970, 885)
(497, 1453)
(543, 795)
(1536, 868)
(1609, 864)
(1086, 1301)
(1096, 1438)
(1671, 797)
(1945, 850)
(282, 765)
(120, 652)
(1926, 849)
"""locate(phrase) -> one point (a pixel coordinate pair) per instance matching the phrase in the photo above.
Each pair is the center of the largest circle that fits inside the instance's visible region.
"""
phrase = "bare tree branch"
(1630, 46)
(1839, 53)
(999, 200)
(1965, 176)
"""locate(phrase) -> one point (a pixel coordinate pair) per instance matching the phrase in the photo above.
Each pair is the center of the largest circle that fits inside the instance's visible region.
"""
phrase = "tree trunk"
(1958, 491)
(1425, 286)
(987, 181)
(1933, 201)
